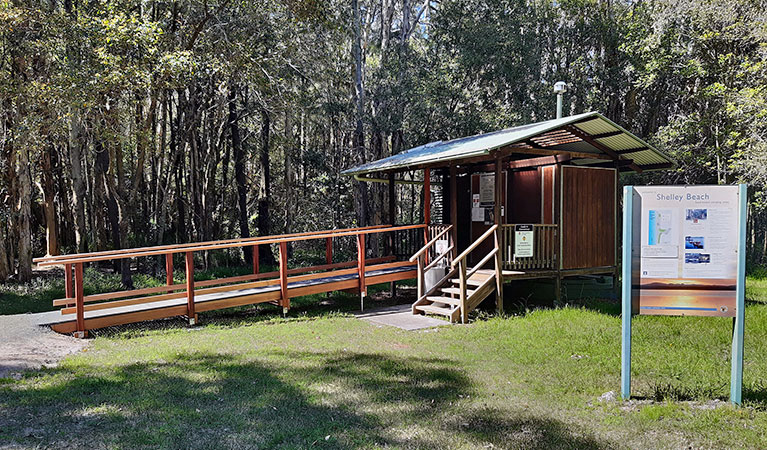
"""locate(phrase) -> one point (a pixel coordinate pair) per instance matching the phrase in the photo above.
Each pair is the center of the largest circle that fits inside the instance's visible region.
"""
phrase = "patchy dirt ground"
(25, 345)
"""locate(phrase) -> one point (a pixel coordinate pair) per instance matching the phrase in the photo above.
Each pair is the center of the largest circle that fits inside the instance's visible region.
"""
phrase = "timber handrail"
(484, 261)
(474, 244)
(178, 248)
(215, 282)
(75, 299)
(203, 246)
(430, 244)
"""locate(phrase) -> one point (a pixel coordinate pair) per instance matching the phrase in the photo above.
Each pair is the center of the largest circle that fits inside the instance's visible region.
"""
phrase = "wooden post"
(254, 257)
(361, 269)
(499, 222)
(392, 222)
(558, 194)
(454, 208)
(190, 314)
(421, 281)
(68, 286)
(498, 273)
(426, 207)
(79, 306)
(329, 250)
(169, 269)
(284, 300)
(498, 191)
(462, 277)
(426, 202)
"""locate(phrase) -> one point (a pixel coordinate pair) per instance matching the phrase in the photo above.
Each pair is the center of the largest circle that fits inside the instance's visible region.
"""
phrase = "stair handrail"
(430, 243)
(474, 244)
(420, 256)
(461, 261)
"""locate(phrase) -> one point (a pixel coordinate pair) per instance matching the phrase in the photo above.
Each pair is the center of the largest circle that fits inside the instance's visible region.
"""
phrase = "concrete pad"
(400, 316)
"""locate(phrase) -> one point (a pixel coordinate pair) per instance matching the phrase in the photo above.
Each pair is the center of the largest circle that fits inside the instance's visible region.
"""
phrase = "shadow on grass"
(277, 400)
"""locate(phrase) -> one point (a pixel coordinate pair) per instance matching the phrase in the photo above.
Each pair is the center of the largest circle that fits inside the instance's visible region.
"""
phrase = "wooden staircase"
(463, 288)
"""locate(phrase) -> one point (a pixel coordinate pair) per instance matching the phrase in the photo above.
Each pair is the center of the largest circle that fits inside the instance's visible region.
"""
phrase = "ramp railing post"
(190, 314)
(169, 269)
(254, 257)
(79, 307)
(68, 286)
(284, 299)
(361, 268)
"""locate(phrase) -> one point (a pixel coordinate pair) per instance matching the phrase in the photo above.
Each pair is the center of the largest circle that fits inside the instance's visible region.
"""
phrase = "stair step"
(429, 309)
(445, 300)
(471, 281)
(456, 291)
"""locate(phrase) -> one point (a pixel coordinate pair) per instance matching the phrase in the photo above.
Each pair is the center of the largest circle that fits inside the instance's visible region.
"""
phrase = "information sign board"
(523, 241)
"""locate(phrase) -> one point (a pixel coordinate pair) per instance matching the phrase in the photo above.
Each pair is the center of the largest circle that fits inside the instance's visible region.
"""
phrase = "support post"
(392, 222)
(454, 209)
(284, 299)
(79, 306)
(462, 278)
(329, 250)
(254, 256)
(558, 195)
(426, 203)
(68, 286)
(498, 273)
(628, 194)
(169, 269)
(190, 314)
(498, 221)
(498, 191)
(420, 281)
(361, 268)
(736, 371)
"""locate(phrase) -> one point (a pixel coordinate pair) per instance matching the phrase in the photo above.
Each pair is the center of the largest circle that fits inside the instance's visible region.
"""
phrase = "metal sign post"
(683, 238)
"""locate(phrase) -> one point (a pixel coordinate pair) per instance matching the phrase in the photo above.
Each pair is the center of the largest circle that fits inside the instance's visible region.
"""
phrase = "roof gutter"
(359, 177)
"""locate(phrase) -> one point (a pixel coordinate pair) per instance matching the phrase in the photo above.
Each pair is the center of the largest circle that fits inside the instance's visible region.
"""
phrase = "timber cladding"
(588, 217)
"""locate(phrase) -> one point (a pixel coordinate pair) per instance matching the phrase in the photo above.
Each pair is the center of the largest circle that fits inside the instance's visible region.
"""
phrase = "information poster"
(523, 241)
(487, 189)
(685, 250)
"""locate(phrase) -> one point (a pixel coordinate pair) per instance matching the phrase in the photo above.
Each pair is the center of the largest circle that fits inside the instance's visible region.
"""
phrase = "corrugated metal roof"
(483, 144)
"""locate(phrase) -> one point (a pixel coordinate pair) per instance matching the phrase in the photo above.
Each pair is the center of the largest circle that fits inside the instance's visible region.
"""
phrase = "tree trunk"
(49, 207)
(239, 171)
(358, 139)
(265, 189)
(78, 184)
(25, 216)
(4, 268)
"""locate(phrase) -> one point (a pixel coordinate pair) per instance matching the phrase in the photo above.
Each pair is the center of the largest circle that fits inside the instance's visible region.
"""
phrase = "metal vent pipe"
(560, 87)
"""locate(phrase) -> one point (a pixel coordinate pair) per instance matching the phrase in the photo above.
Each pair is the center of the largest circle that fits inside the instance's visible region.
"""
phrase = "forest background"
(132, 123)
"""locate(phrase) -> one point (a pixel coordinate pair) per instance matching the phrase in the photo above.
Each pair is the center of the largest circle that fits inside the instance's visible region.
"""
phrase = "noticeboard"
(685, 250)
(684, 255)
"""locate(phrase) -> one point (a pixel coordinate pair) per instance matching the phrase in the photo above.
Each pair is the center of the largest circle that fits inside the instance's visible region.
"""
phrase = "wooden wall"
(588, 217)
(524, 194)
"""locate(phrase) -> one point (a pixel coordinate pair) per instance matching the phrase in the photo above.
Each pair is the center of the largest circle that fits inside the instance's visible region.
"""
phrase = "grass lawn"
(327, 380)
